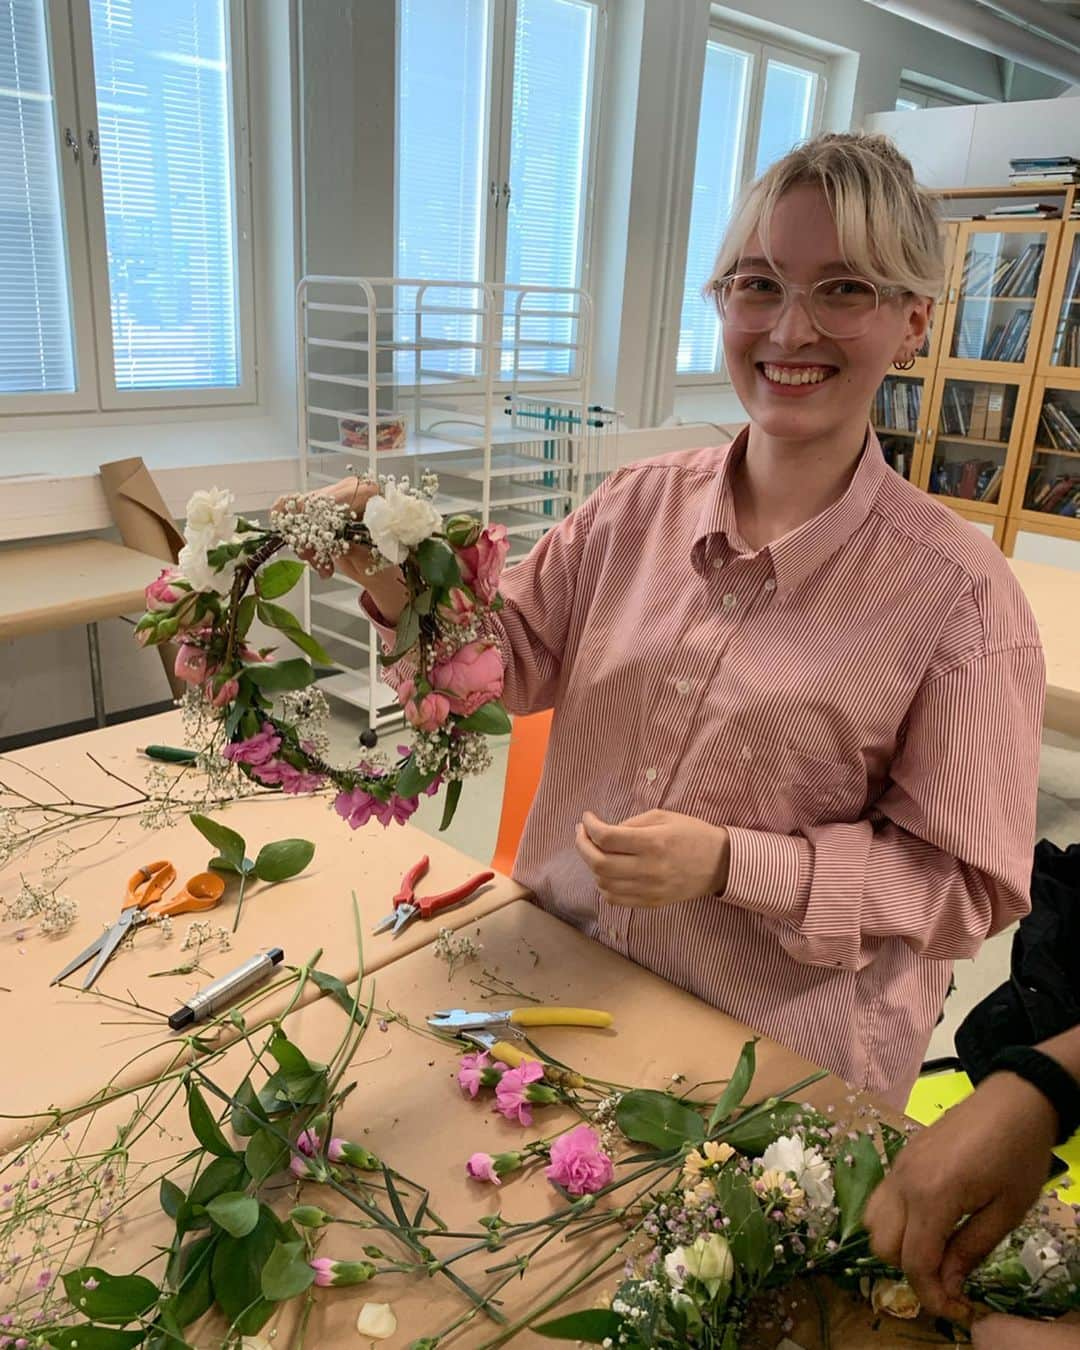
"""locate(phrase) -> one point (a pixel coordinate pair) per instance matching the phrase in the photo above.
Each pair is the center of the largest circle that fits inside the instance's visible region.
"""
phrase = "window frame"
(761, 52)
(71, 58)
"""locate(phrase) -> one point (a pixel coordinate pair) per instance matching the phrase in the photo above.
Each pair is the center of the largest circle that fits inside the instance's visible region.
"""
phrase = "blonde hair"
(888, 226)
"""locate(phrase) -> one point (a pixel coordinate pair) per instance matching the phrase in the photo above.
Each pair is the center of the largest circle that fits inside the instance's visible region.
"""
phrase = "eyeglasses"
(839, 307)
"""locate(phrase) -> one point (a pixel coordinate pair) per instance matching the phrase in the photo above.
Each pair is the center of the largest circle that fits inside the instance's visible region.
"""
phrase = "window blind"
(161, 74)
(36, 343)
(787, 112)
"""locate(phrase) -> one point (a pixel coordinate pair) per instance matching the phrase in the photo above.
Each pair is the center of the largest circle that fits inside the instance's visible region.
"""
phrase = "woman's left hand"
(659, 858)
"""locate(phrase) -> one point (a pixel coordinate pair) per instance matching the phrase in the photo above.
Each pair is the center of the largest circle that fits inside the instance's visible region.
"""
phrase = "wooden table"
(1054, 595)
(80, 582)
(81, 1039)
(408, 1109)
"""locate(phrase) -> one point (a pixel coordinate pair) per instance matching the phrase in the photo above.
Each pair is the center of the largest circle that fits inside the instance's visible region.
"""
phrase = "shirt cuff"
(385, 629)
(769, 873)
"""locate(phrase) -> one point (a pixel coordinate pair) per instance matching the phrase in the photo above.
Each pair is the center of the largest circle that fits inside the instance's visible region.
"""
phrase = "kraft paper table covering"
(408, 1109)
(139, 510)
(51, 586)
(66, 1052)
(1054, 596)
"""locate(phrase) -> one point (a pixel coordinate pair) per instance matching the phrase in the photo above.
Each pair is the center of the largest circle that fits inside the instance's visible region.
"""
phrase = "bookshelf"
(988, 418)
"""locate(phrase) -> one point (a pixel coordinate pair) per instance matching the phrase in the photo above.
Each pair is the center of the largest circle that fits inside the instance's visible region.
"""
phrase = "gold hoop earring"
(904, 365)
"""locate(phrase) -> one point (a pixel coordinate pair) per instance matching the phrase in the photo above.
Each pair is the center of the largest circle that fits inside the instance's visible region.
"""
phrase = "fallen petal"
(376, 1321)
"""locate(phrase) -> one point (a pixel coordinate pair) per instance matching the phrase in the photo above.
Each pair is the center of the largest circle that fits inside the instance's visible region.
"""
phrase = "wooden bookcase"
(988, 419)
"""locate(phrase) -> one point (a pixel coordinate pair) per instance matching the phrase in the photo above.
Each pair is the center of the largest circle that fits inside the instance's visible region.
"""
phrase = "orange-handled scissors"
(144, 902)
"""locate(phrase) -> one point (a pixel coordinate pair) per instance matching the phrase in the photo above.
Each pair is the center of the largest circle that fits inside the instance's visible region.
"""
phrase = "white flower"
(210, 517)
(806, 1165)
(197, 570)
(707, 1259)
(377, 1321)
(398, 521)
(1037, 1256)
(895, 1297)
(675, 1267)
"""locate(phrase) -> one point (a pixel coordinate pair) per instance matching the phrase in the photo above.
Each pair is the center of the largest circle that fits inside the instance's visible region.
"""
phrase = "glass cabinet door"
(997, 294)
(1053, 481)
(968, 447)
(1065, 349)
(897, 418)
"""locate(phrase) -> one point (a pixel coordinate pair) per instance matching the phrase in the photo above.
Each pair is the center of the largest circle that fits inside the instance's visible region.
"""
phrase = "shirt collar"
(797, 555)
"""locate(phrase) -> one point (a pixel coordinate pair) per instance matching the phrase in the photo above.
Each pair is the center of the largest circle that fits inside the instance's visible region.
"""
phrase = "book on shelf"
(979, 404)
(1045, 164)
(1022, 211)
(990, 491)
(1063, 424)
(995, 412)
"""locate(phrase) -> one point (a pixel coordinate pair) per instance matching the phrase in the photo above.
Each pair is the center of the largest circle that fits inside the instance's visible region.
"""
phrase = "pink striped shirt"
(860, 703)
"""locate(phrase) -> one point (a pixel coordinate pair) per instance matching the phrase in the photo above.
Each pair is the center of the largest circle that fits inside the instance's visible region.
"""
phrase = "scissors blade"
(110, 942)
(80, 960)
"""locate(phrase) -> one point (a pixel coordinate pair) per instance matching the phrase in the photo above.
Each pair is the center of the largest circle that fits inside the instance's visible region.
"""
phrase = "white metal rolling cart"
(484, 385)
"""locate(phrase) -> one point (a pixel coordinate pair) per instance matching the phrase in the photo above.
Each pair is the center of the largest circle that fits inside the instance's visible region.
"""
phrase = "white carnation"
(210, 517)
(397, 521)
(1038, 1256)
(196, 568)
(807, 1165)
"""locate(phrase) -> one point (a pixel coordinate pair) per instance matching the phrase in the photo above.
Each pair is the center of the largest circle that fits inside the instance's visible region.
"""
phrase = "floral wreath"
(263, 713)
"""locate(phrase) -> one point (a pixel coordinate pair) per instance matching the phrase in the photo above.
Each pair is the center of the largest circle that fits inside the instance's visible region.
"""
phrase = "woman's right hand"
(384, 584)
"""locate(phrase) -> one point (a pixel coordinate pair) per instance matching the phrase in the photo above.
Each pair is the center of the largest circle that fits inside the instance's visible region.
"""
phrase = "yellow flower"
(694, 1164)
(718, 1153)
(700, 1194)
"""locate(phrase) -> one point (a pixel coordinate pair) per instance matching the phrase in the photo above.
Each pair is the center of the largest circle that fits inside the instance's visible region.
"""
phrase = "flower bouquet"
(260, 711)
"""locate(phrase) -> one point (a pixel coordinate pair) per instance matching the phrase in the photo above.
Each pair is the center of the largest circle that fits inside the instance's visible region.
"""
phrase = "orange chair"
(528, 745)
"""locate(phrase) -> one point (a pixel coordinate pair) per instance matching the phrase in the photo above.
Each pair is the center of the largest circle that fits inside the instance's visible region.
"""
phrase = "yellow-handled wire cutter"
(495, 1032)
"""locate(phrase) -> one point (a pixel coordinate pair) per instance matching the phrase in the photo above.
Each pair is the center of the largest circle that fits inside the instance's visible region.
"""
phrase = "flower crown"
(263, 713)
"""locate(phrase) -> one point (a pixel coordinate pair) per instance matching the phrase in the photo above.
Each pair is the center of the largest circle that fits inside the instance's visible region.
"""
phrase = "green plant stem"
(240, 900)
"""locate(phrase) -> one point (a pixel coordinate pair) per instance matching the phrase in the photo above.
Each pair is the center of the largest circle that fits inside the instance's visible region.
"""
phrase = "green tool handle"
(171, 754)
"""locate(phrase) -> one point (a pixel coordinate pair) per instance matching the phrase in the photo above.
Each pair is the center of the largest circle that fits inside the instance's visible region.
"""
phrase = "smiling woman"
(793, 763)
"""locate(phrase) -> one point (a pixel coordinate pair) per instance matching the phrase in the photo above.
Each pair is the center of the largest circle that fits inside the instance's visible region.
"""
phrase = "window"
(495, 131)
(757, 101)
(911, 97)
(135, 201)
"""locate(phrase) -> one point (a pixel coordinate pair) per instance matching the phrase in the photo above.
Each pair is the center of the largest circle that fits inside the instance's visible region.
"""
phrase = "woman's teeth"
(796, 375)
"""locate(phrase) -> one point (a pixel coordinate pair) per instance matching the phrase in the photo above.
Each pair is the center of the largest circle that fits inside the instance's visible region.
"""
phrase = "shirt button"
(730, 600)
(770, 585)
(717, 563)
(650, 775)
(613, 934)
(682, 686)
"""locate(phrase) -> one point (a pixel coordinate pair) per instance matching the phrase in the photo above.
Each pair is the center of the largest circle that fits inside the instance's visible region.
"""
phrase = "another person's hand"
(659, 858)
(987, 1158)
(1021, 1333)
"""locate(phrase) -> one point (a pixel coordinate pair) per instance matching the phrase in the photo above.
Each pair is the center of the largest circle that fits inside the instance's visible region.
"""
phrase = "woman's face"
(794, 382)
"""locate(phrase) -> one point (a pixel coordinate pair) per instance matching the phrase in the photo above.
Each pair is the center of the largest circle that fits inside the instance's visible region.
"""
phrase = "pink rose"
(470, 677)
(510, 1091)
(258, 749)
(429, 713)
(482, 563)
(481, 1167)
(190, 663)
(459, 606)
(165, 592)
(578, 1163)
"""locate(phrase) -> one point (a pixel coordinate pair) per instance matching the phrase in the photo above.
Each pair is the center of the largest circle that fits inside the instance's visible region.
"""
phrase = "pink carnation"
(510, 1091)
(226, 693)
(357, 807)
(578, 1163)
(481, 1167)
(280, 773)
(397, 810)
(482, 563)
(258, 749)
(308, 1142)
(472, 1072)
(470, 677)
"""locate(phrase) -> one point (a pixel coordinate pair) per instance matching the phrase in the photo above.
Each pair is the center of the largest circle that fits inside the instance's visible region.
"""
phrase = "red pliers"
(407, 904)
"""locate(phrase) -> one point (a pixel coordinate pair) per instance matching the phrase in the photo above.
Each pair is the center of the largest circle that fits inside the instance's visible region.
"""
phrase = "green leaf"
(223, 865)
(195, 1291)
(276, 616)
(223, 1174)
(656, 1118)
(245, 613)
(234, 1211)
(406, 635)
(453, 796)
(278, 578)
(737, 1088)
(205, 1127)
(265, 1155)
(749, 1233)
(228, 843)
(237, 1274)
(289, 1056)
(593, 1325)
(438, 566)
(167, 1332)
(894, 1140)
(246, 1114)
(117, 1298)
(86, 1336)
(171, 1197)
(338, 991)
(289, 1091)
(282, 859)
(411, 782)
(286, 1273)
(276, 677)
(424, 601)
(855, 1175)
(492, 719)
(753, 1136)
